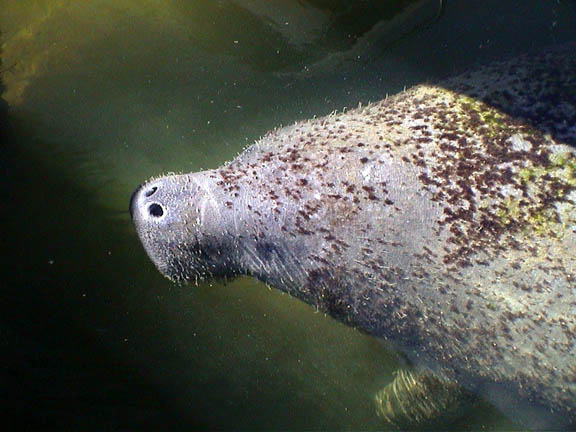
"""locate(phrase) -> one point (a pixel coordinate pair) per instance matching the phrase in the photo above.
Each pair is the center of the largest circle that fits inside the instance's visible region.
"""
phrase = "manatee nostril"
(151, 191)
(155, 210)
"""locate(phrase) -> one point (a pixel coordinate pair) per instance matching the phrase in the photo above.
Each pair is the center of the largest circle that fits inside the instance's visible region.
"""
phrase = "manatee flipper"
(416, 399)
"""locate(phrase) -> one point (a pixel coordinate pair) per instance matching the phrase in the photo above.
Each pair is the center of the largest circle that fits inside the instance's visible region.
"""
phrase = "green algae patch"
(543, 222)
(564, 167)
(493, 121)
(559, 174)
(548, 185)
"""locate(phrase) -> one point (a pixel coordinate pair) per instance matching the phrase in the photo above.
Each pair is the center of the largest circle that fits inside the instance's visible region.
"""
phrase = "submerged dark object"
(441, 219)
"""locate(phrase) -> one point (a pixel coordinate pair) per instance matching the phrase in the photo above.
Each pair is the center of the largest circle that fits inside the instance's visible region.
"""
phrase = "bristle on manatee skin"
(441, 219)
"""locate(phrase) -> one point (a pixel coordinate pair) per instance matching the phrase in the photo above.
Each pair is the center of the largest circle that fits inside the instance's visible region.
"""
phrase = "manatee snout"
(179, 220)
(157, 218)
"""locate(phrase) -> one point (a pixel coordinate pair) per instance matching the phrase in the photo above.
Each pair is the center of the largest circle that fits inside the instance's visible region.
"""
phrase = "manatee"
(440, 220)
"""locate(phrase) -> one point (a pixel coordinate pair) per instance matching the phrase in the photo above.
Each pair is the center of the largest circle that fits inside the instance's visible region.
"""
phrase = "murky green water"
(103, 94)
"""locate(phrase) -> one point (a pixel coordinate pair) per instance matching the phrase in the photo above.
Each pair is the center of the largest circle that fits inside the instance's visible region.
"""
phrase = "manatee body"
(441, 219)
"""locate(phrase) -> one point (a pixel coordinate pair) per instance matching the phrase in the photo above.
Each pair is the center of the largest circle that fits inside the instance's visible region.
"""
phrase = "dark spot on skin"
(304, 214)
(269, 251)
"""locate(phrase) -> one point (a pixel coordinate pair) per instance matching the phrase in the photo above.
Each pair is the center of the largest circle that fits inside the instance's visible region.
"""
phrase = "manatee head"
(183, 228)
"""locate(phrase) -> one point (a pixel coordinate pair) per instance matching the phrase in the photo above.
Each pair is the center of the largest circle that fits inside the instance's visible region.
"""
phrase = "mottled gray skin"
(441, 219)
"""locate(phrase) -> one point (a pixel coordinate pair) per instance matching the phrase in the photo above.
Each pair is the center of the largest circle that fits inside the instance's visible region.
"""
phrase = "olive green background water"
(99, 95)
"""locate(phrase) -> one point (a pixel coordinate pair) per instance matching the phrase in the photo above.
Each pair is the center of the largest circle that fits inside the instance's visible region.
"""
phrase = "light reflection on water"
(105, 94)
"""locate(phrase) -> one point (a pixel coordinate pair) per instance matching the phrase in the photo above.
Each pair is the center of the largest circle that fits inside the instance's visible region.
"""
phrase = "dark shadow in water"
(3, 104)
(65, 361)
